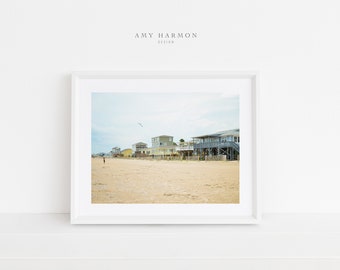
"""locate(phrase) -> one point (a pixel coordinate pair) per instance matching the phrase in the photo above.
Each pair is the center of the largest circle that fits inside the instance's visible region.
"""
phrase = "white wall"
(294, 44)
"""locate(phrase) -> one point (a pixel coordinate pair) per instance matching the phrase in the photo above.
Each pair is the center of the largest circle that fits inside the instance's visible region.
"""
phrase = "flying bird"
(140, 124)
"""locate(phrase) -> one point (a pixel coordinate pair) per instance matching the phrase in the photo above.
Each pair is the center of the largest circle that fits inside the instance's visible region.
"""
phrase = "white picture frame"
(247, 211)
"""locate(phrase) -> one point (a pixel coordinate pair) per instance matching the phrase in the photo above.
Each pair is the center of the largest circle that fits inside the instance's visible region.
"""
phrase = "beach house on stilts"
(224, 143)
(140, 149)
(163, 146)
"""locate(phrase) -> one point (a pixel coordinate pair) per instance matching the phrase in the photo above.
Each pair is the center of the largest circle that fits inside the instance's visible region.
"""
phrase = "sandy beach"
(162, 181)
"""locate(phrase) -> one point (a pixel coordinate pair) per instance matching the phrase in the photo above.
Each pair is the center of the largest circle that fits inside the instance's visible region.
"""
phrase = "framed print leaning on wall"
(164, 148)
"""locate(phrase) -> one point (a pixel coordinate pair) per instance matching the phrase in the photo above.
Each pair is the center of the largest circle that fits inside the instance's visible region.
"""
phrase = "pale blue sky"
(115, 117)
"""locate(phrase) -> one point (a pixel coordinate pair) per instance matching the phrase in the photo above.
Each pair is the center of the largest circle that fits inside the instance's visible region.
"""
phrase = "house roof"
(163, 136)
(140, 143)
(230, 132)
(220, 134)
(127, 149)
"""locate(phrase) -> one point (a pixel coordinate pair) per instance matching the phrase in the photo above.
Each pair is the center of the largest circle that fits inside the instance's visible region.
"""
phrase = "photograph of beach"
(164, 148)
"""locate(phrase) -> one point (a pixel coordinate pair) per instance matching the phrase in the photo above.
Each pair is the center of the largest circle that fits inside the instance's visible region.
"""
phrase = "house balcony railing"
(204, 145)
(185, 148)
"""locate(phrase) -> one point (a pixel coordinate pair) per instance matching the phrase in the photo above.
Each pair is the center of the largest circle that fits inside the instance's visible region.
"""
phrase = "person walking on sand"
(104, 160)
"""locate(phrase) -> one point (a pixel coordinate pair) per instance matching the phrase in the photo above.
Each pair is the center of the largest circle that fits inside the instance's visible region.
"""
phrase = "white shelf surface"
(50, 236)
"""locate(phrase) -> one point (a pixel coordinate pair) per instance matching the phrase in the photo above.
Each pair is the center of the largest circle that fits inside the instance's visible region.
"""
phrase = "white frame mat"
(85, 83)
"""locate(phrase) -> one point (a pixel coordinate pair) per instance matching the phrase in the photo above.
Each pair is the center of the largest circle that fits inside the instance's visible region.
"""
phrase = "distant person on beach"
(104, 160)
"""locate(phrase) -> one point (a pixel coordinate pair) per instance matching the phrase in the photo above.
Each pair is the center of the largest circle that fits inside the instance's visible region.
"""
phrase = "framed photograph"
(164, 148)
